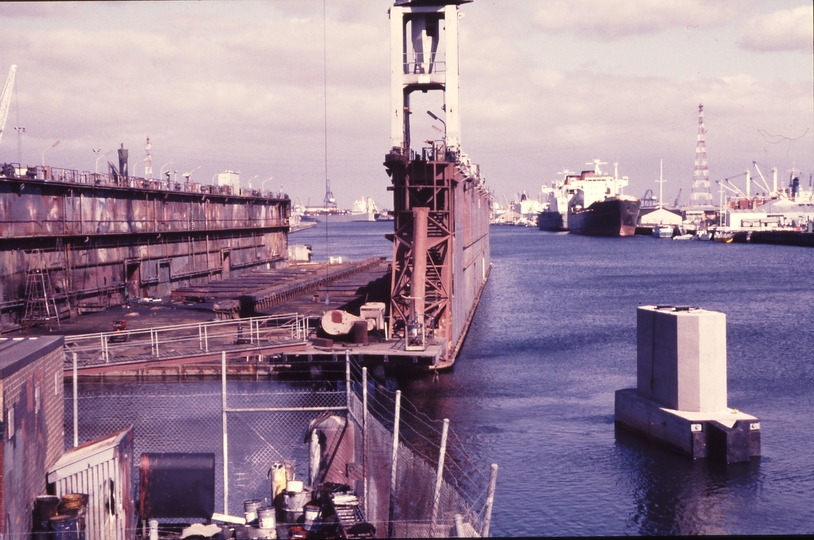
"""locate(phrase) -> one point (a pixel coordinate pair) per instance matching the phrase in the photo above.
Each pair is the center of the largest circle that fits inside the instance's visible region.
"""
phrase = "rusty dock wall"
(101, 239)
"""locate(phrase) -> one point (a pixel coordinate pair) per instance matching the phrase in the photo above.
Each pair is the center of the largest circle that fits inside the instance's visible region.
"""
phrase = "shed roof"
(18, 352)
(660, 216)
(89, 454)
(777, 206)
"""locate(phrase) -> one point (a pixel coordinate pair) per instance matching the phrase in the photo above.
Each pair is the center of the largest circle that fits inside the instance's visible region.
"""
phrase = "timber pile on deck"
(262, 291)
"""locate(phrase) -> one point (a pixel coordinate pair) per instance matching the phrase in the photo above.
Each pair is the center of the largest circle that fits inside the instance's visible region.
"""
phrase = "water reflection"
(674, 495)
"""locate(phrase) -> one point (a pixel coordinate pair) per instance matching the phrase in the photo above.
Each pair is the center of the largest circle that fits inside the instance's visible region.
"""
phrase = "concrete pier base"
(680, 399)
(727, 436)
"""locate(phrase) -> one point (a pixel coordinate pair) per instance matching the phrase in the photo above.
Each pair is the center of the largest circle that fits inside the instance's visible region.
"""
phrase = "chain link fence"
(260, 422)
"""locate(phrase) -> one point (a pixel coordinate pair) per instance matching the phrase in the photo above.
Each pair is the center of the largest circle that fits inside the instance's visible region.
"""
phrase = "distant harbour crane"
(5, 98)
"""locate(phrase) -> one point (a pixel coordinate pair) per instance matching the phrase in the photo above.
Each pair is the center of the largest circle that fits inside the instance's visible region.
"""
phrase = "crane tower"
(5, 98)
(701, 194)
(424, 56)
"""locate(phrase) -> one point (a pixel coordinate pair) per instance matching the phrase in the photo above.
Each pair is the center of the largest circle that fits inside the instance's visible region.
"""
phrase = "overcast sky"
(545, 85)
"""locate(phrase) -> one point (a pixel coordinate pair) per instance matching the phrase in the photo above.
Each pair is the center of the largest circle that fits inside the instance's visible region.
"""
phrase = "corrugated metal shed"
(102, 470)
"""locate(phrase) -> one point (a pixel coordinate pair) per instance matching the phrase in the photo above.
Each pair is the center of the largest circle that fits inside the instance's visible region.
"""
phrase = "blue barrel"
(65, 527)
(45, 507)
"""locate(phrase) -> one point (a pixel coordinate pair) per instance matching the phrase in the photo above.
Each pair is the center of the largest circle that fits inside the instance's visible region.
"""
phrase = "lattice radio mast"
(148, 167)
(701, 194)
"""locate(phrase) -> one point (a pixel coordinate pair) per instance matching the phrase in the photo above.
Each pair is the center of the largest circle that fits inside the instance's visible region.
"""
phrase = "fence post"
(225, 436)
(75, 404)
(439, 477)
(460, 532)
(364, 437)
(347, 379)
(394, 467)
(490, 499)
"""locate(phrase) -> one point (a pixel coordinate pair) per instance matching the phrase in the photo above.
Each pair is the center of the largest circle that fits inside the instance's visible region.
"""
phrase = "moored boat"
(663, 231)
(614, 216)
(364, 209)
(590, 203)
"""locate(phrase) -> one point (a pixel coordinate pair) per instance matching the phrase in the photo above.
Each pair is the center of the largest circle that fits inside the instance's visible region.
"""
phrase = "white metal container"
(267, 518)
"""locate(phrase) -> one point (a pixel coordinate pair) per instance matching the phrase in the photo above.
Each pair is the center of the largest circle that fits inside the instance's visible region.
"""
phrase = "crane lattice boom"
(5, 98)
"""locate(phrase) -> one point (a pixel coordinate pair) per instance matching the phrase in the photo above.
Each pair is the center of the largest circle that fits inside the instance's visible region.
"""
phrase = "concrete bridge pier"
(681, 395)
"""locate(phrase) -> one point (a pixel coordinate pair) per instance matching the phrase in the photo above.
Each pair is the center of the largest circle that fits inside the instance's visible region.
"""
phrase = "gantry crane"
(5, 98)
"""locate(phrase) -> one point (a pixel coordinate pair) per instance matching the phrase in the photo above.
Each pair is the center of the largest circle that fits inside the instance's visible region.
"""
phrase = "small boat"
(663, 231)
(723, 237)
(683, 237)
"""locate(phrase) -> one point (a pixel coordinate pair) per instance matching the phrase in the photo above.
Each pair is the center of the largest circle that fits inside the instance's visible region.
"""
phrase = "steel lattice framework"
(422, 184)
(701, 194)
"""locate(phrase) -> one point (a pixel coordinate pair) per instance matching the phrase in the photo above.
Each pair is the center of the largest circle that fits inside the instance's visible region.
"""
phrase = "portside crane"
(5, 98)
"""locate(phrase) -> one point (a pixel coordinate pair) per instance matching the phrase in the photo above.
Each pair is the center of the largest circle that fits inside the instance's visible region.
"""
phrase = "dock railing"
(195, 340)
(419, 479)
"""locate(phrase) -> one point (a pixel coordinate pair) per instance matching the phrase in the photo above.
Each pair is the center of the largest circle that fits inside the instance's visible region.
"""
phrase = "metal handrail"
(177, 340)
(73, 176)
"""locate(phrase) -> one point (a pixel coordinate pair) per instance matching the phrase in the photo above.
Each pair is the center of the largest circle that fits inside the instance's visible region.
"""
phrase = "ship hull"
(341, 218)
(611, 217)
(551, 221)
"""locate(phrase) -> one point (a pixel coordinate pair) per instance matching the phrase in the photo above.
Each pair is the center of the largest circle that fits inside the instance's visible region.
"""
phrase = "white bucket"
(294, 486)
(266, 518)
(293, 504)
(311, 513)
(250, 507)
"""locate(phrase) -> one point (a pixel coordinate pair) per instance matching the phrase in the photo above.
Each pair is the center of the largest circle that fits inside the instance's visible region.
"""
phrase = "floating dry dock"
(680, 399)
(75, 242)
(441, 204)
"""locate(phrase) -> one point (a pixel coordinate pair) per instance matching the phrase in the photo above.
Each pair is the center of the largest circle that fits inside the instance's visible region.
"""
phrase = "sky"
(291, 92)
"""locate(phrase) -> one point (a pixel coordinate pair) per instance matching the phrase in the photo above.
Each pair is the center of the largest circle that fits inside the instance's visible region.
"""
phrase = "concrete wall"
(681, 358)
(32, 390)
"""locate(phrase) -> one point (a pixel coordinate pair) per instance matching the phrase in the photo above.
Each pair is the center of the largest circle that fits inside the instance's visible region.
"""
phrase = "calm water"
(555, 336)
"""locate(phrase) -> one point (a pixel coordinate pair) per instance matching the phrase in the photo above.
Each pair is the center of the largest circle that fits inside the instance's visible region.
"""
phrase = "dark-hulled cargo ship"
(440, 200)
(616, 216)
(590, 203)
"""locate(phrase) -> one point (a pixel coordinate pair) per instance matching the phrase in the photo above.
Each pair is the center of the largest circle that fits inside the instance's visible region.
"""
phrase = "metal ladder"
(40, 304)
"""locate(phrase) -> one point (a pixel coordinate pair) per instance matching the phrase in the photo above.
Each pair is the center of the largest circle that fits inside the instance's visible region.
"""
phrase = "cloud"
(784, 30)
(564, 119)
(37, 10)
(243, 90)
(610, 20)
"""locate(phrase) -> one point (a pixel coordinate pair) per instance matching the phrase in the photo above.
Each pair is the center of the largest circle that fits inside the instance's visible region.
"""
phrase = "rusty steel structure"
(100, 239)
(441, 257)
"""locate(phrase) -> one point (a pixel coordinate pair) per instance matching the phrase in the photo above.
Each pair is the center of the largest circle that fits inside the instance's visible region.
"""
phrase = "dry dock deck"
(185, 334)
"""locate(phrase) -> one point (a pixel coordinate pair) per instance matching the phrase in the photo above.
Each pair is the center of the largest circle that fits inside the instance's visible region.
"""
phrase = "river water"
(555, 336)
